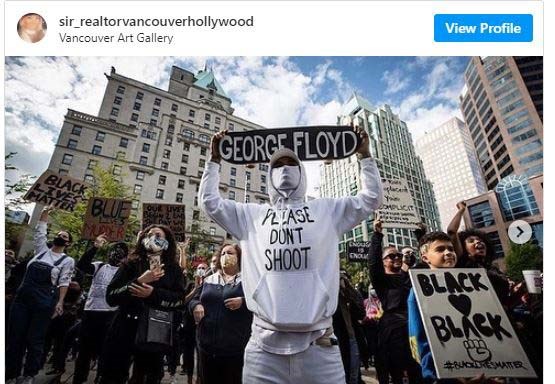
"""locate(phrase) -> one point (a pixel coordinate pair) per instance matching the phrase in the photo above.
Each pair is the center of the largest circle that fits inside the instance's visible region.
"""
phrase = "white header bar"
(334, 28)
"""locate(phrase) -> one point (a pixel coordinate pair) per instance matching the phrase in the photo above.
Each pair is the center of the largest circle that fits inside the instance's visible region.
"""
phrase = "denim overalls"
(30, 316)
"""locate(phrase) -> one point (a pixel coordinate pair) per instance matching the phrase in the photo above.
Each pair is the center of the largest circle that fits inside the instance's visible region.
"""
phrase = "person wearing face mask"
(392, 285)
(223, 320)
(39, 298)
(409, 258)
(153, 279)
(98, 314)
(290, 264)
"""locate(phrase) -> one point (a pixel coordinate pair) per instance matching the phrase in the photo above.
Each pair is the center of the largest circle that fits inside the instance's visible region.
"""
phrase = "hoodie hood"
(281, 198)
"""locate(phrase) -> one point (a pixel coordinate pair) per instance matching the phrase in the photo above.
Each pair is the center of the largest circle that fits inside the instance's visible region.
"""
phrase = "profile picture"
(31, 27)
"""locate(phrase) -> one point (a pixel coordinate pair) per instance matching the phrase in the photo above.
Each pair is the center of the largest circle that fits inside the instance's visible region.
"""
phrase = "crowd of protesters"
(245, 316)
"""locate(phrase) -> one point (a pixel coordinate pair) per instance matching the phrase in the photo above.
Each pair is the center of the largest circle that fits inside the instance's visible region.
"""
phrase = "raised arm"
(453, 228)
(227, 213)
(40, 238)
(350, 211)
(85, 264)
(375, 262)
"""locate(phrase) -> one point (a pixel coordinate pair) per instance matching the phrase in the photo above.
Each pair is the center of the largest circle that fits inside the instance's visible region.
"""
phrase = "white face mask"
(155, 244)
(201, 272)
(228, 260)
(286, 177)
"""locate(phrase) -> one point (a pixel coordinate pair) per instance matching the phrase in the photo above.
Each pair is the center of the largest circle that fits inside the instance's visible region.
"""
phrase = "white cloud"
(395, 81)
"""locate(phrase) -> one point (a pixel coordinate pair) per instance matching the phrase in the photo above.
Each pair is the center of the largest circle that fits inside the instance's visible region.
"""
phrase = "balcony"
(99, 122)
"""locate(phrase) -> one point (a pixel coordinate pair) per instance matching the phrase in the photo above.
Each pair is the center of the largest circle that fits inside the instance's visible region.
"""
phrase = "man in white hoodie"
(290, 265)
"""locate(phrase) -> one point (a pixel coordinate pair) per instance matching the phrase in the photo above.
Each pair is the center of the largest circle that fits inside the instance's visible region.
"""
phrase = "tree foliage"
(523, 257)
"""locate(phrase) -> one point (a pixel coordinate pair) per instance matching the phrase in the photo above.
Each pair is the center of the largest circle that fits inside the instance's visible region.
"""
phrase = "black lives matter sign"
(172, 215)
(106, 216)
(467, 329)
(325, 142)
(62, 192)
(358, 251)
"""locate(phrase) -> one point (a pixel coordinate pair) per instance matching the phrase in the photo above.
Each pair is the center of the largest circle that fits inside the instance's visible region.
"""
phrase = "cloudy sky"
(273, 92)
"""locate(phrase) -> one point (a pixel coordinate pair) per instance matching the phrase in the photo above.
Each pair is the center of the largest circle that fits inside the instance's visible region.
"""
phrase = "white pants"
(316, 365)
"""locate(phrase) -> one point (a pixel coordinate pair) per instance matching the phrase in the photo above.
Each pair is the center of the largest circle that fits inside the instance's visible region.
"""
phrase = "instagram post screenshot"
(274, 192)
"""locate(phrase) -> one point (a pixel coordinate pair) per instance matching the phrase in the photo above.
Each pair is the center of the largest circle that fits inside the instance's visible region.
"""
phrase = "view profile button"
(473, 28)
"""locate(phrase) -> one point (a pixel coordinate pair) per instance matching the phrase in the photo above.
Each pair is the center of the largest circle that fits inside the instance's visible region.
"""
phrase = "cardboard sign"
(309, 143)
(109, 216)
(358, 251)
(172, 215)
(62, 192)
(398, 209)
(466, 326)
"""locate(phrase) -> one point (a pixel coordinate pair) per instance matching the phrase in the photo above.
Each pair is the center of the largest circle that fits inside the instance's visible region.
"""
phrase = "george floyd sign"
(309, 143)
(358, 251)
(62, 192)
(466, 326)
(172, 215)
(108, 216)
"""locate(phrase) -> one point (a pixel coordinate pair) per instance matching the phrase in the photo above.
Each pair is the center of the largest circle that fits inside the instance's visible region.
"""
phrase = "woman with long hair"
(152, 279)
(224, 322)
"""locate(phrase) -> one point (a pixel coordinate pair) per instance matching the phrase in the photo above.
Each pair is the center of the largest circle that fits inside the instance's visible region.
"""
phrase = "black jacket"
(221, 332)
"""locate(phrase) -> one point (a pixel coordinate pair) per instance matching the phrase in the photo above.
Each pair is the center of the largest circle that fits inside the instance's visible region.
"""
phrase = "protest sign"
(108, 216)
(398, 209)
(172, 215)
(466, 326)
(358, 251)
(309, 143)
(62, 192)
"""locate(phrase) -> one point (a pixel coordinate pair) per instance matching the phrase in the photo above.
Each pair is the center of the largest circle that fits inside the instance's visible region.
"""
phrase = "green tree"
(522, 257)
(104, 185)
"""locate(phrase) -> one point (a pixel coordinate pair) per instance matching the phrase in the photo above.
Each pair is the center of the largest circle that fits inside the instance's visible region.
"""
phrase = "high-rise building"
(157, 143)
(392, 147)
(502, 107)
(450, 163)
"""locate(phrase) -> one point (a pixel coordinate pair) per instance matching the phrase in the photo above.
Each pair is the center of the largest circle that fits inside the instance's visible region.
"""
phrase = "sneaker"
(28, 380)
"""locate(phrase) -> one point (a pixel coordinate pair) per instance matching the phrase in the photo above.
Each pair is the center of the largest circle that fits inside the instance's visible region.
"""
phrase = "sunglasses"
(393, 256)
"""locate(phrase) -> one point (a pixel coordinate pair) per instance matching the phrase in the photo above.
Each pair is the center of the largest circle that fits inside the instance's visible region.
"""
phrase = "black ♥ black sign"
(461, 303)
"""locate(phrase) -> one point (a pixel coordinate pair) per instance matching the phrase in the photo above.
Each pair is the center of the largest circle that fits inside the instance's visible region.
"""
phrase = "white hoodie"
(291, 281)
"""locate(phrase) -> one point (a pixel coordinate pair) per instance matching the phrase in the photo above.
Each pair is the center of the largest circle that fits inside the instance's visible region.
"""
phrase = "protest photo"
(296, 219)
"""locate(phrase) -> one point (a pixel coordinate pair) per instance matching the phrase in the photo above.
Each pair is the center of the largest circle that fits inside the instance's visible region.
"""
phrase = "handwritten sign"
(172, 215)
(358, 251)
(109, 216)
(398, 209)
(309, 143)
(62, 192)
(466, 326)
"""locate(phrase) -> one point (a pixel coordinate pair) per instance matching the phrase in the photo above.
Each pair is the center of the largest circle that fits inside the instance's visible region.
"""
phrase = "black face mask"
(59, 242)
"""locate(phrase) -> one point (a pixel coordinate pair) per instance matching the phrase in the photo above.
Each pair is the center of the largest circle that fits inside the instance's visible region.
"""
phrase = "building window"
(115, 111)
(67, 159)
(153, 122)
(183, 171)
(62, 172)
(174, 107)
(186, 147)
(481, 215)
(123, 142)
(92, 164)
(206, 125)
(232, 182)
(116, 170)
(248, 175)
(189, 135)
(199, 174)
(159, 193)
(517, 201)
(263, 167)
(121, 89)
(89, 179)
(212, 231)
(196, 215)
(143, 160)
(203, 151)
(167, 154)
(157, 102)
(184, 158)
(191, 113)
(140, 175)
(207, 116)
(137, 106)
(134, 117)
(248, 186)
(171, 128)
(263, 188)
(169, 141)
(495, 241)
(72, 144)
(139, 96)
(201, 163)
(117, 100)
(263, 178)
(195, 201)
(146, 147)
(247, 199)
(155, 112)
(217, 120)
(96, 150)
(179, 197)
(162, 180)
(164, 165)
(76, 130)
(233, 171)
(231, 195)
(231, 126)
(148, 134)
(181, 184)
(138, 189)
(100, 136)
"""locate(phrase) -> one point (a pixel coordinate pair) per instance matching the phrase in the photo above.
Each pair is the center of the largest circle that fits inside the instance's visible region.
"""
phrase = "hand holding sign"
(46, 212)
(364, 147)
(378, 225)
(215, 146)
(100, 241)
